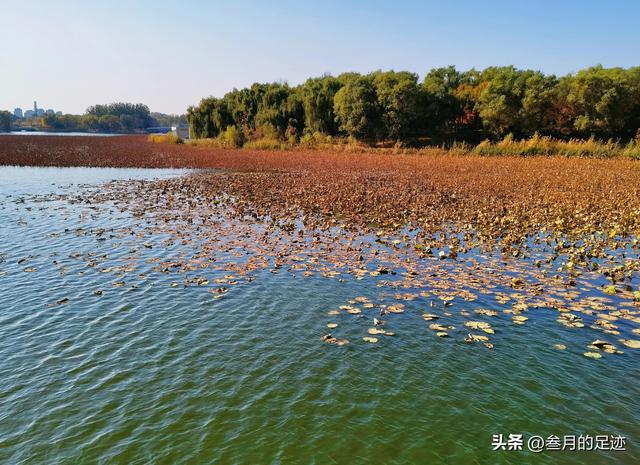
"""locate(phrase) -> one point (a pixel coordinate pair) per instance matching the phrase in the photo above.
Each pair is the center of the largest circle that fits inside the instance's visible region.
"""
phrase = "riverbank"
(508, 146)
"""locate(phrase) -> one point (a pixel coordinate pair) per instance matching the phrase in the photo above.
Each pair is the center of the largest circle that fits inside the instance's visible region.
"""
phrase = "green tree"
(5, 121)
(443, 107)
(448, 105)
(163, 119)
(356, 109)
(400, 102)
(605, 101)
(243, 104)
(134, 115)
(537, 100)
(317, 96)
(514, 100)
(209, 118)
(280, 108)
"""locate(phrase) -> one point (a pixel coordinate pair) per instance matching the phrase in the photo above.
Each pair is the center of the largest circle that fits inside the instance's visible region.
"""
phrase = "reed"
(266, 144)
(548, 146)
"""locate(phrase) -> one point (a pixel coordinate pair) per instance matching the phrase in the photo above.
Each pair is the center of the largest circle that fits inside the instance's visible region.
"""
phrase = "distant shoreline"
(62, 133)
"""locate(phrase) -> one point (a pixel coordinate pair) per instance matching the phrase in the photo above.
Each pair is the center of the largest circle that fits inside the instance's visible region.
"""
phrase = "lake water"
(110, 355)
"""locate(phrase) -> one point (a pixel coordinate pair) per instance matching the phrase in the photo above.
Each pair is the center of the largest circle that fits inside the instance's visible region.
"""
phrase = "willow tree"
(401, 103)
(317, 96)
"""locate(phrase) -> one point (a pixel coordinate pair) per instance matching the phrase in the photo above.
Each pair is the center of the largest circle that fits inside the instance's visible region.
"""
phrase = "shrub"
(316, 139)
(265, 144)
(168, 138)
(232, 137)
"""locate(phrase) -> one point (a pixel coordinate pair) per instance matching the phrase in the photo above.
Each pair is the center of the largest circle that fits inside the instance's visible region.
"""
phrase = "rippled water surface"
(104, 360)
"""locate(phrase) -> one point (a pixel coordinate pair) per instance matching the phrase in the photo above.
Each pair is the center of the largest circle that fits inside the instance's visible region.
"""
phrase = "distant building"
(39, 112)
(29, 114)
(50, 112)
(58, 113)
(17, 112)
(181, 130)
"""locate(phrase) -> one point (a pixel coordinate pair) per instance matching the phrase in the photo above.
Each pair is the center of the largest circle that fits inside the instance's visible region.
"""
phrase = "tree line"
(447, 105)
(119, 117)
(6, 119)
(113, 117)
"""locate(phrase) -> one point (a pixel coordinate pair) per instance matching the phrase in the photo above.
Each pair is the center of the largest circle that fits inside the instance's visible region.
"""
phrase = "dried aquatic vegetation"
(537, 238)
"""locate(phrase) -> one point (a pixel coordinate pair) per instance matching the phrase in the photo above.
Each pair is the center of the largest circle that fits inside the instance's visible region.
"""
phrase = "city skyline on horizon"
(25, 109)
(33, 112)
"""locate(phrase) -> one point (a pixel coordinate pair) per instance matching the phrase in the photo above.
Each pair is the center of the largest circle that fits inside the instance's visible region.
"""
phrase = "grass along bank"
(536, 145)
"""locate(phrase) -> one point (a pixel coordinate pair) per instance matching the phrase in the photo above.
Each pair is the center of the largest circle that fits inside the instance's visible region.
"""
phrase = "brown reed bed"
(506, 199)
(116, 151)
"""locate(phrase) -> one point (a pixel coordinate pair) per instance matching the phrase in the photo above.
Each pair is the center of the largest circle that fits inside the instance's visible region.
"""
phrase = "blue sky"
(70, 54)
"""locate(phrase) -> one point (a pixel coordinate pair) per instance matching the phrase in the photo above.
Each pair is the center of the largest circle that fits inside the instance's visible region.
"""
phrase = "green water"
(152, 372)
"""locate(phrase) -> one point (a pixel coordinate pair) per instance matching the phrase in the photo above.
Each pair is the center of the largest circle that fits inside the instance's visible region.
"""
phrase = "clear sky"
(70, 54)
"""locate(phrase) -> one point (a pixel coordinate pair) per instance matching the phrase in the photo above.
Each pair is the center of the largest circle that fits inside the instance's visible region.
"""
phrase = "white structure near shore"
(182, 131)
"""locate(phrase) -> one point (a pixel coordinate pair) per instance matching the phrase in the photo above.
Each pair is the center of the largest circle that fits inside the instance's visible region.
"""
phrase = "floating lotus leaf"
(375, 331)
(592, 355)
(611, 350)
(478, 325)
(372, 340)
(632, 343)
(519, 307)
(484, 311)
(437, 327)
(332, 325)
(570, 320)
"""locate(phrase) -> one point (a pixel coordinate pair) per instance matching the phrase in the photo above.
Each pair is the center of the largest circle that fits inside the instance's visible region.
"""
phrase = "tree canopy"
(5, 120)
(447, 105)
